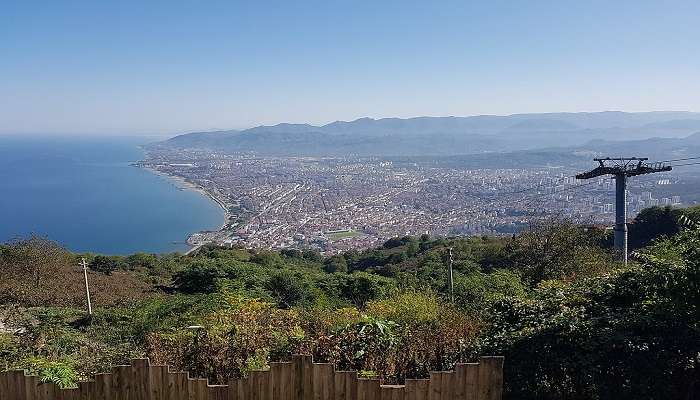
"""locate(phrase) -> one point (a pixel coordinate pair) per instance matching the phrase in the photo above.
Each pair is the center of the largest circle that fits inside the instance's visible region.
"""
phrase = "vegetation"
(571, 322)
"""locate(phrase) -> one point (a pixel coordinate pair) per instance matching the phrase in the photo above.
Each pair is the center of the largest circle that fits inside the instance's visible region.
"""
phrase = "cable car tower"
(621, 169)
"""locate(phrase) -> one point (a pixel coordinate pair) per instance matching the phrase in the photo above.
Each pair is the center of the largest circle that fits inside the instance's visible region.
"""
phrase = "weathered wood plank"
(471, 381)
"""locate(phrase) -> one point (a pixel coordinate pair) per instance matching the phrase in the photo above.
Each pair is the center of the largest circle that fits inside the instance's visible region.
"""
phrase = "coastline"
(182, 183)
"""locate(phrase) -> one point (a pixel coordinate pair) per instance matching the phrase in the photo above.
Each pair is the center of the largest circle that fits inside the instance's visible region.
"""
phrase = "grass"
(342, 235)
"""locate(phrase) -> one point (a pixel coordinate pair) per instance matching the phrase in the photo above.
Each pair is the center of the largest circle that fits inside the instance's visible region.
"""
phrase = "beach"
(182, 183)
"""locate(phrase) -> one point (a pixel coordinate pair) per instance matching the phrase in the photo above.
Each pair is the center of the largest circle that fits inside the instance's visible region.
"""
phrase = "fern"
(61, 374)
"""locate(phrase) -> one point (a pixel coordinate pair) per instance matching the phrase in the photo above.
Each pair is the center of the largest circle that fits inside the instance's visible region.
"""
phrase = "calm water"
(82, 193)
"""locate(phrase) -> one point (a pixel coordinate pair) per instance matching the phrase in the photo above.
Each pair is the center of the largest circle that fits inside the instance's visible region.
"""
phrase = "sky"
(166, 67)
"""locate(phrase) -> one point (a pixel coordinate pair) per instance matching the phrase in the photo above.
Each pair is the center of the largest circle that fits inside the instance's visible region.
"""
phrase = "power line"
(681, 159)
(684, 165)
(533, 187)
(569, 189)
(527, 198)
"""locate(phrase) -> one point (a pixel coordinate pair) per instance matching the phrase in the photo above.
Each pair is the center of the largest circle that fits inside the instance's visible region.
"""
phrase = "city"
(338, 204)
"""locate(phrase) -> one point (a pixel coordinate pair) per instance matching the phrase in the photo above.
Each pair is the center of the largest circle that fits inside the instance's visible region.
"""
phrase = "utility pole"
(87, 286)
(622, 168)
(450, 281)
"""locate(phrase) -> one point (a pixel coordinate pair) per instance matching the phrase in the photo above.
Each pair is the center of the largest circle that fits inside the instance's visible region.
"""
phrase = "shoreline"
(182, 183)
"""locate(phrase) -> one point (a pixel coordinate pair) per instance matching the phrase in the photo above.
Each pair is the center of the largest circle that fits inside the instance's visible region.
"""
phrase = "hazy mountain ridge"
(655, 148)
(442, 135)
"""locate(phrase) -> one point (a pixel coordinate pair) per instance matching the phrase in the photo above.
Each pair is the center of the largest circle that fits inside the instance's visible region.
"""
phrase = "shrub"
(197, 278)
(290, 289)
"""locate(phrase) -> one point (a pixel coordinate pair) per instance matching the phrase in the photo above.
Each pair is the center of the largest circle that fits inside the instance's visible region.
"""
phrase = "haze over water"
(82, 192)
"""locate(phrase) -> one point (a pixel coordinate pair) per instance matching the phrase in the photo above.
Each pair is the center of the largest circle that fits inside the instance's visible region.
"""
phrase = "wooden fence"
(300, 379)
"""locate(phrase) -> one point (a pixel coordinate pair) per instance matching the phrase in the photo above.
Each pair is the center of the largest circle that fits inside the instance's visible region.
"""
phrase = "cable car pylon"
(622, 168)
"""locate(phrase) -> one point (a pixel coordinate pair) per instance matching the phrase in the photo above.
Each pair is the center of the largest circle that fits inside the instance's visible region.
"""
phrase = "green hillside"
(571, 322)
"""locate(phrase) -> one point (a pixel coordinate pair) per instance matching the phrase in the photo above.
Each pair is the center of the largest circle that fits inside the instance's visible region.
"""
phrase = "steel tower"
(621, 169)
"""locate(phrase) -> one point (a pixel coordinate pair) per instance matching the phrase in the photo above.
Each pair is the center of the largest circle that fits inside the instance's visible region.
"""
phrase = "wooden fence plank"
(323, 381)
(339, 386)
(202, 389)
(102, 386)
(287, 382)
(261, 385)
(18, 384)
(158, 382)
(217, 392)
(46, 391)
(300, 379)
(303, 379)
(30, 387)
(4, 386)
(121, 381)
(435, 392)
(317, 387)
(369, 389)
(491, 378)
(448, 385)
(232, 391)
(173, 385)
(393, 392)
(460, 377)
(276, 379)
(471, 381)
(240, 389)
(191, 388)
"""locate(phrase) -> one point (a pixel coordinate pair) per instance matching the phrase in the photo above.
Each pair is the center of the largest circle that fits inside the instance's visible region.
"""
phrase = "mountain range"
(441, 136)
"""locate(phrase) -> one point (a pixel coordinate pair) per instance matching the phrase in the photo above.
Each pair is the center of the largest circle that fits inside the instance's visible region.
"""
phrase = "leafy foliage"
(571, 322)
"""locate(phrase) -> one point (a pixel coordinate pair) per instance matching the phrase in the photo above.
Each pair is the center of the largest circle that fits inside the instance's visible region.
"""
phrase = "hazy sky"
(133, 67)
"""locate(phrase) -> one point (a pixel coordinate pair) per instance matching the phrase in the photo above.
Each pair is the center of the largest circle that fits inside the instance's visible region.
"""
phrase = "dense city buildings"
(336, 204)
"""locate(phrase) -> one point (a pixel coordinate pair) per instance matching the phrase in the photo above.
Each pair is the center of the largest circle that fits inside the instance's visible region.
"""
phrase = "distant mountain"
(201, 139)
(653, 148)
(442, 135)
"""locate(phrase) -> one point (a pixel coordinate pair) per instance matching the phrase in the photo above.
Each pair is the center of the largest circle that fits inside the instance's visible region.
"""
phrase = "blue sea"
(82, 193)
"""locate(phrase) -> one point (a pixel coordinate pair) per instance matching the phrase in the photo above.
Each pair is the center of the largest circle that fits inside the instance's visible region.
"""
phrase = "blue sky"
(158, 67)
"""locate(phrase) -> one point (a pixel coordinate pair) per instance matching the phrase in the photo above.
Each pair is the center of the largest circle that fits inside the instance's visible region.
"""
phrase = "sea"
(83, 192)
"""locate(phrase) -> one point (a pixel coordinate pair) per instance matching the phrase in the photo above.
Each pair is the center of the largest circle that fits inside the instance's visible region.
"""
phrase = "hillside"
(441, 135)
(384, 311)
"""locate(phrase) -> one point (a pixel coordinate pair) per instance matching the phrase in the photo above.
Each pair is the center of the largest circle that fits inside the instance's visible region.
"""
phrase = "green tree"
(289, 289)
(632, 334)
(197, 278)
(361, 287)
(267, 258)
(557, 249)
(104, 264)
(141, 260)
(335, 263)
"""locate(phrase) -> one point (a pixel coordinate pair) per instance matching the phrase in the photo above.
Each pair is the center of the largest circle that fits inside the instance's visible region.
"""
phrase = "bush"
(290, 289)
(361, 287)
(335, 263)
(197, 278)
(406, 307)
(104, 264)
(628, 335)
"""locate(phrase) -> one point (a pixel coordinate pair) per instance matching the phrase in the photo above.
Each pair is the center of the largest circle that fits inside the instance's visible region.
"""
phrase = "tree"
(289, 289)
(658, 222)
(335, 263)
(557, 249)
(267, 258)
(361, 287)
(197, 278)
(35, 256)
(104, 264)
(312, 255)
(631, 334)
(141, 260)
